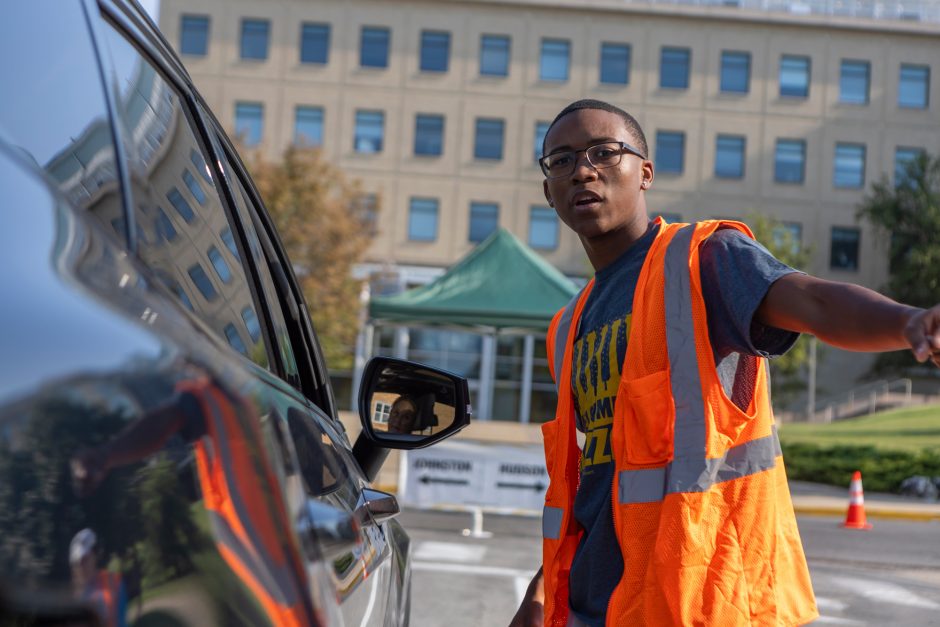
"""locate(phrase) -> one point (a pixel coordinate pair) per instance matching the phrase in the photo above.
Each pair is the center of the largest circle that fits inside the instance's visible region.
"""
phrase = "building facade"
(789, 110)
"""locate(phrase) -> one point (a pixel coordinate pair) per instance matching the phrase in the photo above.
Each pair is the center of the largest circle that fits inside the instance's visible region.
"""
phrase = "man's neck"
(607, 248)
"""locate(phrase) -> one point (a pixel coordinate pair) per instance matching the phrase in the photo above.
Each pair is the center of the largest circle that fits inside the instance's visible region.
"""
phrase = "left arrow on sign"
(427, 479)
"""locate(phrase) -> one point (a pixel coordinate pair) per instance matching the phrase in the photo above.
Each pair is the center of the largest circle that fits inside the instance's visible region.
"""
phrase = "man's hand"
(923, 333)
(531, 612)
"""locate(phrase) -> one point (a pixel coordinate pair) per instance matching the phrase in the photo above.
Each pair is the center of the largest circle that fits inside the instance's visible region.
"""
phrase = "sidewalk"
(825, 500)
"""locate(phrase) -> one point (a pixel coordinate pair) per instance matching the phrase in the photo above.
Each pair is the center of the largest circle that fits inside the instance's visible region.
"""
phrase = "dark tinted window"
(194, 35)
(615, 63)
(735, 72)
(429, 134)
(674, 68)
(435, 51)
(494, 55)
(163, 152)
(373, 47)
(254, 41)
(314, 43)
(53, 107)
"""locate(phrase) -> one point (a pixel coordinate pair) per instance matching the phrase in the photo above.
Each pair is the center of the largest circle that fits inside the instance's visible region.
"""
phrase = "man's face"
(401, 418)
(597, 202)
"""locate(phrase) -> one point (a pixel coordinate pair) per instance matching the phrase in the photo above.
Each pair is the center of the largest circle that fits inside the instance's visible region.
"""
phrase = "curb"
(897, 514)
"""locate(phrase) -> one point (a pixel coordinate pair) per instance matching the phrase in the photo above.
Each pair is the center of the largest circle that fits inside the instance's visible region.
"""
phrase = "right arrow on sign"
(538, 487)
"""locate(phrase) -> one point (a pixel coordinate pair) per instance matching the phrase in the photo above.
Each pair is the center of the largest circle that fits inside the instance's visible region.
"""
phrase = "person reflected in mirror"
(100, 587)
(403, 417)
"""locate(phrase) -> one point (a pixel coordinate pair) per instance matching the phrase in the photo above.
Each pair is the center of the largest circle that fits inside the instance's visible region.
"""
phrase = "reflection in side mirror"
(408, 405)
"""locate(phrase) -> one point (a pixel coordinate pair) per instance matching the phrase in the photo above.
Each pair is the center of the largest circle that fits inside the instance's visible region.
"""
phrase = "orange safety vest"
(702, 510)
(243, 504)
(107, 589)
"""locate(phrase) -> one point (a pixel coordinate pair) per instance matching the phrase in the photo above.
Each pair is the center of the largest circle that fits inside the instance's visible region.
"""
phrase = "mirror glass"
(411, 402)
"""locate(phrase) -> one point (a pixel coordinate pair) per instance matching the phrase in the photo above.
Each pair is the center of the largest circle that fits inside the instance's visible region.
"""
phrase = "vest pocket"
(648, 418)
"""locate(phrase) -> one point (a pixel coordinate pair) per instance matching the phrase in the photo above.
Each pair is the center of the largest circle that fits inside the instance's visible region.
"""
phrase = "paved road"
(887, 576)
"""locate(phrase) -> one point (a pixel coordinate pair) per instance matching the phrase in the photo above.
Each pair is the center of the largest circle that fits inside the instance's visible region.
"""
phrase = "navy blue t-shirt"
(736, 273)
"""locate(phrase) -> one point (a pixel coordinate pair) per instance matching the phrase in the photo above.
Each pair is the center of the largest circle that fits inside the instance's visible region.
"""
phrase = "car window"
(54, 106)
(268, 286)
(186, 237)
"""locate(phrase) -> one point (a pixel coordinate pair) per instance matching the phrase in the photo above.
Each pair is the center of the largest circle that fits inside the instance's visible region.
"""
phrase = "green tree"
(326, 226)
(787, 371)
(907, 215)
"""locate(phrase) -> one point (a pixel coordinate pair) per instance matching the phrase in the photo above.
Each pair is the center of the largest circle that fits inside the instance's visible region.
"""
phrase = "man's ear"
(548, 197)
(646, 171)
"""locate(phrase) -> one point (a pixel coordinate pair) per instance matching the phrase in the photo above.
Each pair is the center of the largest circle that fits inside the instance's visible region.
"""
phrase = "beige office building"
(790, 109)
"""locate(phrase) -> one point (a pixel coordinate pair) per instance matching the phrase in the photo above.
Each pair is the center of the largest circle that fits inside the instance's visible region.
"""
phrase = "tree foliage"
(325, 227)
(786, 370)
(907, 214)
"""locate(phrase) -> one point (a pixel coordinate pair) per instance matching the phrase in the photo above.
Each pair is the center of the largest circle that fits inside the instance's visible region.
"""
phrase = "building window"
(202, 282)
(849, 167)
(164, 226)
(729, 156)
(229, 242)
(366, 208)
(488, 142)
(369, 131)
(794, 76)
(670, 152)
(435, 51)
(200, 164)
(251, 323)
(373, 46)
(254, 44)
(735, 72)
(484, 220)
(494, 55)
(248, 122)
(308, 126)
(553, 62)
(843, 248)
(381, 412)
(429, 134)
(180, 205)
(541, 129)
(615, 63)
(234, 339)
(853, 82)
(903, 157)
(674, 68)
(218, 262)
(913, 86)
(194, 35)
(314, 43)
(543, 228)
(194, 187)
(790, 161)
(422, 220)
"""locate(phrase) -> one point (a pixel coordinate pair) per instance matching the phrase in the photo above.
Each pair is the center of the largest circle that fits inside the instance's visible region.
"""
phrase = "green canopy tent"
(501, 287)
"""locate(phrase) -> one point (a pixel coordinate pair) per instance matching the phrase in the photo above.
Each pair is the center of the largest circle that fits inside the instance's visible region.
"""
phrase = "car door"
(362, 577)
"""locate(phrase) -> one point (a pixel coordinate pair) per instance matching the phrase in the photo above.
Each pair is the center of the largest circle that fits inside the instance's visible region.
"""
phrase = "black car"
(170, 452)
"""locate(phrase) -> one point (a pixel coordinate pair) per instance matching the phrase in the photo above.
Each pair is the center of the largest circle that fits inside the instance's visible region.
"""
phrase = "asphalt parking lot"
(887, 576)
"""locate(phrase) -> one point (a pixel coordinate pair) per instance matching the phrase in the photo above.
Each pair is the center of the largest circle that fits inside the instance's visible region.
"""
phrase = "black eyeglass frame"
(624, 148)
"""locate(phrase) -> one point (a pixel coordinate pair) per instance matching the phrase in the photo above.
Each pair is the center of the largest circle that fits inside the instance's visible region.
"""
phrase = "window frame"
(860, 175)
(728, 59)
(386, 52)
(426, 146)
(508, 52)
(205, 34)
(659, 165)
(803, 146)
(318, 43)
(742, 155)
(412, 213)
(804, 94)
(548, 77)
(544, 212)
(925, 85)
(846, 97)
(434, 64)
(475, 207)
(610, 47)
(242, 33)
(686, 62)
(479, 152)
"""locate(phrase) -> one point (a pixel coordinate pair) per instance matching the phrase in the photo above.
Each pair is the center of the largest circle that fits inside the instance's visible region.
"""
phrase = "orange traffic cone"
(855, 517)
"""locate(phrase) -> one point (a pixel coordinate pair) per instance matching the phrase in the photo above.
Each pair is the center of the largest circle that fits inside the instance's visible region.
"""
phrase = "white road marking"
(473, 569)
(885, 592)
(450, 552)
(832, 620)
(522, 584)
(824, 603)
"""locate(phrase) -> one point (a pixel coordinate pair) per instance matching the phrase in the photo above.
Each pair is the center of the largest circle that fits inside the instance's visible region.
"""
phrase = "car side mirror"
(406, 405)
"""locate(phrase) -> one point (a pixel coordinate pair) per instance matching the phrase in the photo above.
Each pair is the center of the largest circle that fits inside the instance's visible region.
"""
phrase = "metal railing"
(862, 400)
(917, 11)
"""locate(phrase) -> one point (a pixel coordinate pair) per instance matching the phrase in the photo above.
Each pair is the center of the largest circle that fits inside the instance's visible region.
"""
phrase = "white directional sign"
(472, 473)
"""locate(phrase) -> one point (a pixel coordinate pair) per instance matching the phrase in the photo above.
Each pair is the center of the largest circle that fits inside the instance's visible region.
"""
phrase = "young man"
(675, 510)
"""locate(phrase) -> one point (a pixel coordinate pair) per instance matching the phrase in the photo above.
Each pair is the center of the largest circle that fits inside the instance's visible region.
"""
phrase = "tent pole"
(525, 395)
(487, 374)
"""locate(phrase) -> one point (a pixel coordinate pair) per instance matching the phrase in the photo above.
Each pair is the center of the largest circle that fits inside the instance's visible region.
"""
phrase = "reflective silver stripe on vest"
(649, 485)
(561, 337)
(551, 522)
(690, 471)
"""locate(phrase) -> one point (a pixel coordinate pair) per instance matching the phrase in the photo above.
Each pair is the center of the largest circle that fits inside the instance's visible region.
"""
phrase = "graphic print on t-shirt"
(595, 379)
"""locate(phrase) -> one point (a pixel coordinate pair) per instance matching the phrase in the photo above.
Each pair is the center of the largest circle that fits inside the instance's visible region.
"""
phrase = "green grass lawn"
(912, 429)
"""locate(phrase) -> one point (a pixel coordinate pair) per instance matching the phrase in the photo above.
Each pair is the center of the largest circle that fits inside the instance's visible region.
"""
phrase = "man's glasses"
(606, 155)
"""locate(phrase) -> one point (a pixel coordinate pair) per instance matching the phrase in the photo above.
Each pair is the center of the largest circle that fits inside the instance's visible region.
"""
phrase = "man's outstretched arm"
(850, 317)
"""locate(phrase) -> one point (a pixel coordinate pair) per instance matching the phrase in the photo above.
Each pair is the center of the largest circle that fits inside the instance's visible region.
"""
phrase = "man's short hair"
(633, 127)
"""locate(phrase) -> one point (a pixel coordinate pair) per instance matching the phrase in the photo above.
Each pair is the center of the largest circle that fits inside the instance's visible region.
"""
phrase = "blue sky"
(152, 6)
